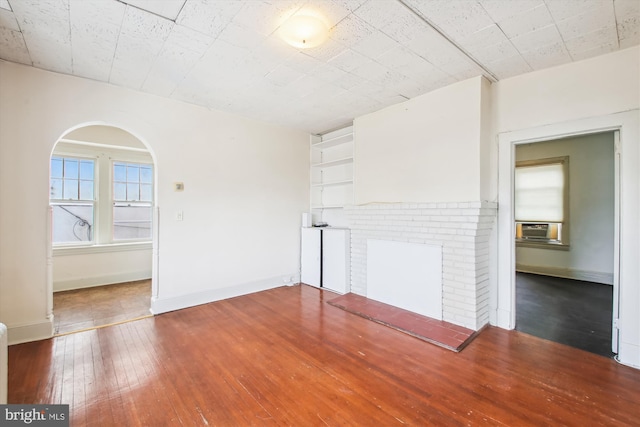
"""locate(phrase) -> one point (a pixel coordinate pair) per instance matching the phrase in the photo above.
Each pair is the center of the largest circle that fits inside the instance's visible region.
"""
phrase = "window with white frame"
(72, 198)
(100, 195)
(541, 201)
(132, 200)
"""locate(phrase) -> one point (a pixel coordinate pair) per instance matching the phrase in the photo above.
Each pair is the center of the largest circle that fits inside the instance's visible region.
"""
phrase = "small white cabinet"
(325, 259)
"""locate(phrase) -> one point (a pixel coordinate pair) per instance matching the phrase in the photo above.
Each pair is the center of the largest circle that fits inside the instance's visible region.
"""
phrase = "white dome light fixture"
(304, 31)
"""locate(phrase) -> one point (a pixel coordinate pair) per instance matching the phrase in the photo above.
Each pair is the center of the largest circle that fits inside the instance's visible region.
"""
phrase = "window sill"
(101, 248)
(542, 245)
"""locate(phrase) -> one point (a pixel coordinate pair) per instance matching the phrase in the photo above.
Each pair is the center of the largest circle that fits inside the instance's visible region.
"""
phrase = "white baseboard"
(567, 273)
(164, 305)
(89, 282)
(30, 332)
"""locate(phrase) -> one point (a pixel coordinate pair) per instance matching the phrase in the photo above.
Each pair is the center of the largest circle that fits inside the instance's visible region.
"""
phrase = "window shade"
(539, 193)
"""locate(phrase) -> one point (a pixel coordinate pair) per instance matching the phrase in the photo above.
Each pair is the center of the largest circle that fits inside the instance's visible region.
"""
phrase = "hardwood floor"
(101, 305)
(570, 312)
(286, 357)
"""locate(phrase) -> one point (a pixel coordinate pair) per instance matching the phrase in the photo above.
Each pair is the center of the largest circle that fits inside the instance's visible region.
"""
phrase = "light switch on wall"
(179, 216)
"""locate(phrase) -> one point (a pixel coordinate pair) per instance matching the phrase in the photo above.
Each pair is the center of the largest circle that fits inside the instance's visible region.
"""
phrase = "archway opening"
(102, 200)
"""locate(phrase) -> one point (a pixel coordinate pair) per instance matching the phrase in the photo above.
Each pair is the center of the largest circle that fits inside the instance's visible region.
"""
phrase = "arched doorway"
(102, 200)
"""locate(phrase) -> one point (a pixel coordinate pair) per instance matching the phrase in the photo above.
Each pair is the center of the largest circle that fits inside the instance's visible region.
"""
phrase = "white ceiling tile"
(8, 20)
(541, 37)
(303, 63)
(166, 8)
(378, 13)
(593, 40)
(240, 36)
(457, 18)
(332, 12)
(628, 21)
(46, 30)
(564, 9)
(547, 56)
(405, 61)
(265, 17)
(404, 27)
(95, 28)
(499, 10)
(434, 48)
(12, 47)
(494, 52)
(375, 44)
(526, 22)
(351, 30)
(600, 50)
(177, 57)
(377, 73)
(487, 36)
(587, 22)
(348, 60)
(509, 66)
(304, 86)
(208, 17)
(142, 37)
(461, 69)
(283, 75)
(326, 51)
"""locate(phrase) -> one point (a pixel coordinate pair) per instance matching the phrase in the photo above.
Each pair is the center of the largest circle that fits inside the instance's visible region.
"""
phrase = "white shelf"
(331, 184)
(338, 162)
(338, 140)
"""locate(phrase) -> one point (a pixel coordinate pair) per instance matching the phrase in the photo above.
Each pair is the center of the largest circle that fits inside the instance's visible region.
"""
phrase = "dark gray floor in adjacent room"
(570, 312)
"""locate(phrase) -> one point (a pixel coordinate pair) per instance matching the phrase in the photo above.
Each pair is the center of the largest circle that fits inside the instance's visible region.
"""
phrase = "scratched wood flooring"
(286, 357)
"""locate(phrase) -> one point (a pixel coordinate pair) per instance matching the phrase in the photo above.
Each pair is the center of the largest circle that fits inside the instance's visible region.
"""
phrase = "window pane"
(146, 174)
(70, 188)
(133, 192)
(133, 173)
(119, 172)
(56, 189)
(539, 194)
(56, 167)
(119, 191)
(71, 168)
(72, 223)
(146, 192)
(131, 221)
(86, 190)
(86, 169)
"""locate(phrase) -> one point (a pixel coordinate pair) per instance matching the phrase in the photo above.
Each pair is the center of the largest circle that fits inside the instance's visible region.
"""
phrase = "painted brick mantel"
(462, 229)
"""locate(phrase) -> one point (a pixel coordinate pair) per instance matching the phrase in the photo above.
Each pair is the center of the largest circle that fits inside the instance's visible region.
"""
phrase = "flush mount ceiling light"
(304, 31)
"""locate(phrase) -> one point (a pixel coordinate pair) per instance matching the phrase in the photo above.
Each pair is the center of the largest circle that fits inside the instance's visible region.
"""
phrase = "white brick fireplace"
(461, 229)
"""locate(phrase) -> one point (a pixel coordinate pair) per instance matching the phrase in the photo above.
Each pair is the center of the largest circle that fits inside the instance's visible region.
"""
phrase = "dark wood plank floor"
(570, 312)
(98, 306)
(286, 357)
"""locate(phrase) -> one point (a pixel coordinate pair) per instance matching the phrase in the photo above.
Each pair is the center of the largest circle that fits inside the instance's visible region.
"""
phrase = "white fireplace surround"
(463, 231)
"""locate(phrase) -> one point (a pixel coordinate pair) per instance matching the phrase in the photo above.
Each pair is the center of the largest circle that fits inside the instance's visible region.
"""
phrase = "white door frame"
(627, 238)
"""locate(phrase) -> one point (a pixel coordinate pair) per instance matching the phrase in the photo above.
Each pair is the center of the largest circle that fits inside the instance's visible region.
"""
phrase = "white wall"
(246, 184)
(82, 270)
(422, 150)
(601, 93)
(591, 210)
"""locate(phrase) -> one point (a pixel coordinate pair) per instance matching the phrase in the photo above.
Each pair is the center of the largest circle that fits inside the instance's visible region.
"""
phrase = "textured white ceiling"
(226, 54)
